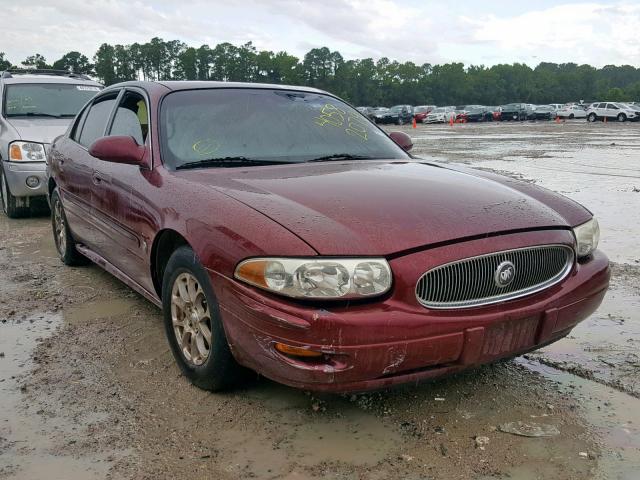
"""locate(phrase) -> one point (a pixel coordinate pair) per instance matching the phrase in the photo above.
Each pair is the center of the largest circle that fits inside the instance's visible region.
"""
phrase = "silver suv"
(35, 107)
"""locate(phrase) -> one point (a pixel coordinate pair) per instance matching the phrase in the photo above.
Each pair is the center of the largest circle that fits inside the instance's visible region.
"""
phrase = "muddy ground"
(89, 390)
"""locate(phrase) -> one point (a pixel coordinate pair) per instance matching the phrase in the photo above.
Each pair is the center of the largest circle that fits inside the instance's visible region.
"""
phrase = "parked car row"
(401, 114)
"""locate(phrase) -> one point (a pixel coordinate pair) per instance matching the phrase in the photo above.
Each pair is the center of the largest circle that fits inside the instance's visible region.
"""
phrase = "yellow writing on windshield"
(206, 146)
(335, 117)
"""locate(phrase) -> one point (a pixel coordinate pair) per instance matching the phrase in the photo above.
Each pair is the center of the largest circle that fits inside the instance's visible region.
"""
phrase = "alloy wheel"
(60, 228)
(191, 319)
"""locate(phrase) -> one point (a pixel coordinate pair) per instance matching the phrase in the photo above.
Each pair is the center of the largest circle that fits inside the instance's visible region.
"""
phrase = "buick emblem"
(504, 275)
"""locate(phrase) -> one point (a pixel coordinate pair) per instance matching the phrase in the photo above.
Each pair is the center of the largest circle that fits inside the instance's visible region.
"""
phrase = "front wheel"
(9, 202)
(193, 325)
(571, 116)
(622, 117)
(592, 117)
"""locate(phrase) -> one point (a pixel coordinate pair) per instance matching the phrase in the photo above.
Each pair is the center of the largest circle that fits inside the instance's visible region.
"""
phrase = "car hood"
(380, 208)
(41, 130)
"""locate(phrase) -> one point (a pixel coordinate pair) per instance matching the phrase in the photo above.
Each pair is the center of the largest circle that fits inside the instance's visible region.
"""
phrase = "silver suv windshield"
(58, 100)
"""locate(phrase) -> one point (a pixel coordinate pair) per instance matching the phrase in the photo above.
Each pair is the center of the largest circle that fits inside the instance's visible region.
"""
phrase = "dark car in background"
(398, 115)
(368, 112)
(515, 111)
(544, 112)
(478, 114)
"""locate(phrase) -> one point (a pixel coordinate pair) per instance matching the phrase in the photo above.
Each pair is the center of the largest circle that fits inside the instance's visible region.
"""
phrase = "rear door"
(75, 167)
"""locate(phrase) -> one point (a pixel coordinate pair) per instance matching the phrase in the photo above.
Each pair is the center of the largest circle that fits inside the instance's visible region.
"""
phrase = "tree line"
(361, 81)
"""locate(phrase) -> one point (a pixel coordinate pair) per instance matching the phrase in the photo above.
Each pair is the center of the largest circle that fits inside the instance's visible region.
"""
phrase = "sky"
(475, 32)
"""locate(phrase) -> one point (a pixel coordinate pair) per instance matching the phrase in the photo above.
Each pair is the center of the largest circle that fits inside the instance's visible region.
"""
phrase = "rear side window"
(96, 120)
(131, 118)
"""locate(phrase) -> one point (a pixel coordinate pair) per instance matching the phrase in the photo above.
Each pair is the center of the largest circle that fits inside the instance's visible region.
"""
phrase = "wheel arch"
(165, 243)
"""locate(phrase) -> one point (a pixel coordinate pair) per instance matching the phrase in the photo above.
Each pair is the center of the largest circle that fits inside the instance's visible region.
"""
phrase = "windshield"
(46, 99)
(420, 109)
(267, 126)
(438, 110)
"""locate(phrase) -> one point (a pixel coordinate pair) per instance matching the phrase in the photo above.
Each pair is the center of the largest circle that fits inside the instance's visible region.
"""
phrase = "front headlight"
(587, 237)
(317, 278)
(26, 152)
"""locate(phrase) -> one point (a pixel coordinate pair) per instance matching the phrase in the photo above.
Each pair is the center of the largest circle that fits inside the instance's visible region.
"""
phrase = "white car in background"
(441, 115)
(611, 111)
(571, 112)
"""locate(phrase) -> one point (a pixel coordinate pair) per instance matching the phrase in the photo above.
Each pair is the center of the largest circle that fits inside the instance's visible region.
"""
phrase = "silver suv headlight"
(587, 237)
(26, 152)
(317, 277)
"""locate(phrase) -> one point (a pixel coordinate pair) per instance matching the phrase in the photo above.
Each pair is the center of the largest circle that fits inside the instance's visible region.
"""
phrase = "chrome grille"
(471, 282)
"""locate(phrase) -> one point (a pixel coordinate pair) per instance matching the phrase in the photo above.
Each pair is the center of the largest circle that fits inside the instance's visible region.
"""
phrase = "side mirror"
(118, 149)
(402, 139)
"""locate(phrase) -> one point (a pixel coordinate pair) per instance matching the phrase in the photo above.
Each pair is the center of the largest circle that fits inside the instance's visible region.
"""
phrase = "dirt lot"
(88, 387)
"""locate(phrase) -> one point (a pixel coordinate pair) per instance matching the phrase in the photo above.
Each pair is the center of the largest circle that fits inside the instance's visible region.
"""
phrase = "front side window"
(46, 99)
(611, 106)
(96, 122)
(131, 118)
(265, 125)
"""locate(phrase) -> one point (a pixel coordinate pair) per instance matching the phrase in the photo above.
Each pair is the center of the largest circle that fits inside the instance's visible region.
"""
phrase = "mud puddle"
(25, 452)
(612, 415)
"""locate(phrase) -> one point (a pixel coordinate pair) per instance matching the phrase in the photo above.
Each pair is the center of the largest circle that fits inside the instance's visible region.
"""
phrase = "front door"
(125, 234)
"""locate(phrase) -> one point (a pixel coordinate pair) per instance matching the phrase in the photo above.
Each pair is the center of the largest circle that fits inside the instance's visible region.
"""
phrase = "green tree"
(4, 63)
(104, 64)
(35, 61)
(74, 62)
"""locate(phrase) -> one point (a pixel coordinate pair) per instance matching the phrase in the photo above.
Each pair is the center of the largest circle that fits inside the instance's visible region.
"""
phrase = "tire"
(571, 116)
(64, 242)
(187, 294)
(621, 117)
(9, 202)
(592, 117)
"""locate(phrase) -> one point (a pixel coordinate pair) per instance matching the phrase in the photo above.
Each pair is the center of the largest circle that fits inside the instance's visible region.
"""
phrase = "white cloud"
(582, 33)
(597, 33)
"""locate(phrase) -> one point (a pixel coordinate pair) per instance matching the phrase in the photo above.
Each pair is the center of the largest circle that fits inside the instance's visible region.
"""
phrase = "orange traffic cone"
(415, 125)
(451, 121)
(557, 119)
(605, 120)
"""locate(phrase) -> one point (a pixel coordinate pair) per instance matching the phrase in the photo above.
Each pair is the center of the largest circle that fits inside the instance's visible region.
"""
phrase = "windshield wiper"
(340, 156)
(34, 114)
(227, 162)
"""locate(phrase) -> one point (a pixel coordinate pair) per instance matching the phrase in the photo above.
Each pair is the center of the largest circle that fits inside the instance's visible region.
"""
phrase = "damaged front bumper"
(395, 340)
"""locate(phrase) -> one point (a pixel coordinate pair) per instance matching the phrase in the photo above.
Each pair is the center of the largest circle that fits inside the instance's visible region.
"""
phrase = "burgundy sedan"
(280, 230)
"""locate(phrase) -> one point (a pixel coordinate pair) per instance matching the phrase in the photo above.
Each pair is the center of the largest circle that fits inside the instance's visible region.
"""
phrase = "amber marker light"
(253, 273)
(296, 351)
(15, 153)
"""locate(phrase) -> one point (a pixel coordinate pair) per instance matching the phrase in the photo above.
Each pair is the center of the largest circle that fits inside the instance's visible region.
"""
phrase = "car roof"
(177, 85)
(43, 78)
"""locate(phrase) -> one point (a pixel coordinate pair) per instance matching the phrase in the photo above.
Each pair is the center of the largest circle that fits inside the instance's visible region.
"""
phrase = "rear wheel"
(65, 244)
(592, 117)
(571, 116)
(193, 325)
(9, 202)
(622, 117)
